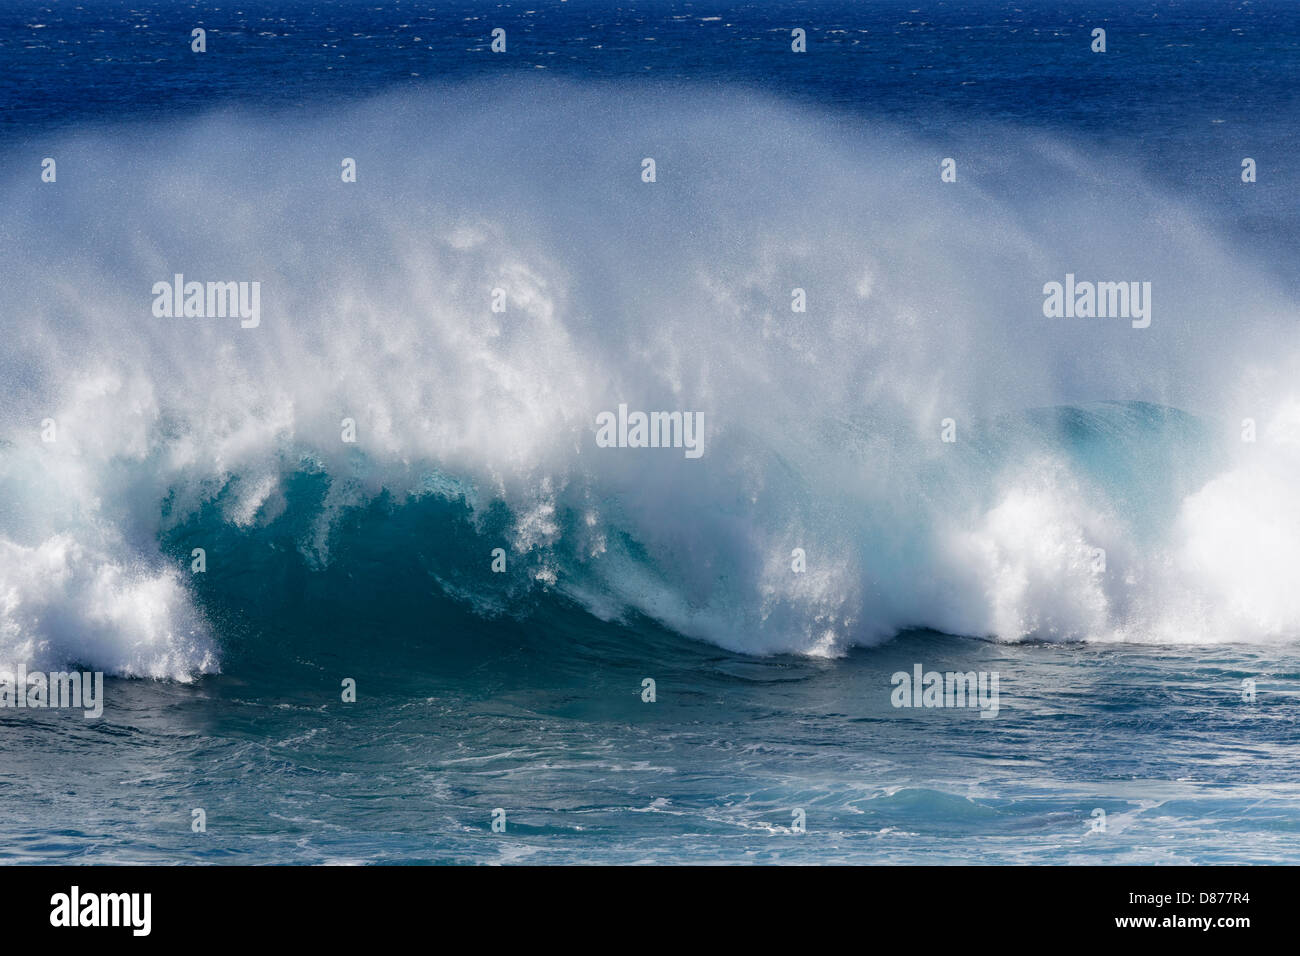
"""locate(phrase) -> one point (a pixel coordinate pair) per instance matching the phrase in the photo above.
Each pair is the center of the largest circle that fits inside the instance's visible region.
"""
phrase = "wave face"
(822, 429)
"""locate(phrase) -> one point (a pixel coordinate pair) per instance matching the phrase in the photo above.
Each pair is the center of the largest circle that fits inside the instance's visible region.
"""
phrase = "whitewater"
(824, 428)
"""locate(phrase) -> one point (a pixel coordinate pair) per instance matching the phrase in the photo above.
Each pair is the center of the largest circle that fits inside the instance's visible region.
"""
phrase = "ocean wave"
(1098, 487)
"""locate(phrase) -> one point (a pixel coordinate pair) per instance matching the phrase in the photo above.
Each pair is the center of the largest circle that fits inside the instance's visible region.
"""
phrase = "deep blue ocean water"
(373, 563)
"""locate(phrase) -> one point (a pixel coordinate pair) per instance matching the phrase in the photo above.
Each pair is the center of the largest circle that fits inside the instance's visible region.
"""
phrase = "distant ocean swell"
(1099, 487)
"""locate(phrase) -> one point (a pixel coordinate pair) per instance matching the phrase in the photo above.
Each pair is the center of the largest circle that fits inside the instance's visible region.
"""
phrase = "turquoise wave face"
(313, 578)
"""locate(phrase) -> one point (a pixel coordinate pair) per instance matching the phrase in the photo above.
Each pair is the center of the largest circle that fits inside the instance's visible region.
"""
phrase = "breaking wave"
(1099, 487)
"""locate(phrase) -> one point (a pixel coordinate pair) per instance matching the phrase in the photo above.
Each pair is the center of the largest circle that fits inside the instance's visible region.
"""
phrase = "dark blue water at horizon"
(1184, 91)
